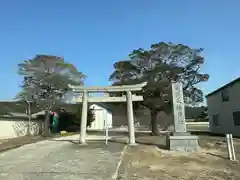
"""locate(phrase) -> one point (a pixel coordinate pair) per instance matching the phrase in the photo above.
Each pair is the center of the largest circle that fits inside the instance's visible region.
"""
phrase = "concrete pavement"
(61, 159)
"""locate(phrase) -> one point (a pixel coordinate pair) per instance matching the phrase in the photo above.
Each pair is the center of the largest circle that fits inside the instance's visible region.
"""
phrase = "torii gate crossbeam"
(129, 98)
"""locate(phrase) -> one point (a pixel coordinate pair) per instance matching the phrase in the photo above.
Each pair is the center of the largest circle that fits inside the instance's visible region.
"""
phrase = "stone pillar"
(84, 117)
(130, 116)
(181, 140)
(178, 109)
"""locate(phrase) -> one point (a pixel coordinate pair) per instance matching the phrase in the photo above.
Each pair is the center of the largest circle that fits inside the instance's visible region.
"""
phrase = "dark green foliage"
(66, 121)
(159, 66)
(90, 117)
(197, 113)
(71, 121)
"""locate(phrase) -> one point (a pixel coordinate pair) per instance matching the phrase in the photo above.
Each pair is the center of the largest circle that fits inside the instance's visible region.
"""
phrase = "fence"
(198, 126)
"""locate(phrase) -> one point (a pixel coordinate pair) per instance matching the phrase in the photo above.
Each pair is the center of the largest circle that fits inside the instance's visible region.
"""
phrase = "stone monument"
(180, 140)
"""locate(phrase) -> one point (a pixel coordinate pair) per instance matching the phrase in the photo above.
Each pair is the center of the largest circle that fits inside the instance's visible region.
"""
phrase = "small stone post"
(130, 116)
(84, 118)
(230, 145)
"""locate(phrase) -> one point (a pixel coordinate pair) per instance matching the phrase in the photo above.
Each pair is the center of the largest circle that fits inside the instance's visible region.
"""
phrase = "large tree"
(160, 65)
(46, 80)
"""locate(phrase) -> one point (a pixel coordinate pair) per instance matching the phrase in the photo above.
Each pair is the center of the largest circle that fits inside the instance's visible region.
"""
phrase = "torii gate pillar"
(84, 118)
(131, 130)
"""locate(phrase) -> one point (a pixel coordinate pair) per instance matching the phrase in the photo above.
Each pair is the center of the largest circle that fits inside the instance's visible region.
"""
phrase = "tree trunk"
(29, 119)
(47, 124)
(154, 124)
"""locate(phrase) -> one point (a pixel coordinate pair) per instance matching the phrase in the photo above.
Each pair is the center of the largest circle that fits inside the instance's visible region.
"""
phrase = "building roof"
(40, 113)
(225, 86)
(103, 105)
(16, 107)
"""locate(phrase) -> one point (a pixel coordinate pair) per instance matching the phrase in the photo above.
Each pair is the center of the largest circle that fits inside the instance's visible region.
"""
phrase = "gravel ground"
(61, 159)
(64, 159)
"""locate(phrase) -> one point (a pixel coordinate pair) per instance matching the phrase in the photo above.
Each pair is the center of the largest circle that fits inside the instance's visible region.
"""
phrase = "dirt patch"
(12, 143)
(8, 144)
(149, 162)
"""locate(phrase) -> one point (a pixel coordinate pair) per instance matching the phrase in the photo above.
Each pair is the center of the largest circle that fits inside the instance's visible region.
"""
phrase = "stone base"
(183, 142)
(134, 144)
(82, 144)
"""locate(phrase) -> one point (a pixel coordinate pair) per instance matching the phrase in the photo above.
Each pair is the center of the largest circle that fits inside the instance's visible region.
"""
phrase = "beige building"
(224, 109)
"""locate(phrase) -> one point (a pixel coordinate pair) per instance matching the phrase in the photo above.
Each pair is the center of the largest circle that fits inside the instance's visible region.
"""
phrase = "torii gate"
(129, 98)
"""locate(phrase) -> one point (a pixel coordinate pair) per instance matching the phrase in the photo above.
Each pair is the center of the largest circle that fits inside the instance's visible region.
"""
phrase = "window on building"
(225, 95)
(215, 120)
(236, 118)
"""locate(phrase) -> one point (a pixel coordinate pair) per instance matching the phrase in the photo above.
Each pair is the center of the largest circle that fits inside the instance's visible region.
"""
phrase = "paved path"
(61, 159)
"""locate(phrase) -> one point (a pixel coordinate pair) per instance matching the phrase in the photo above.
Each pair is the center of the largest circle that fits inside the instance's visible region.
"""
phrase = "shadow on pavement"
(112, 146)
(217, 155)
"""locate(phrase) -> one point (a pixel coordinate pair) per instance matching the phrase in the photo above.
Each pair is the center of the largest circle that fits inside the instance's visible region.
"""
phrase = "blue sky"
(94, 34)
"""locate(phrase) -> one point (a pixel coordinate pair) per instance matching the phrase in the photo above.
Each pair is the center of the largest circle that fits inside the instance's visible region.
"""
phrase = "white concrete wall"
(98, 123)
(11, 128)
(224, 110)
(109, 119)
(101, 115)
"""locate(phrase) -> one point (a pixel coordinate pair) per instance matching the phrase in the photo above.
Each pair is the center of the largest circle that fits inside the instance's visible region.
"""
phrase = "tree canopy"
(159, 66)
(46, 79)
(45, 82)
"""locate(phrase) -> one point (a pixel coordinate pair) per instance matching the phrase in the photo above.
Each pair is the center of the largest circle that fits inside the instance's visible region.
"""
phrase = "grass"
(65, 134)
